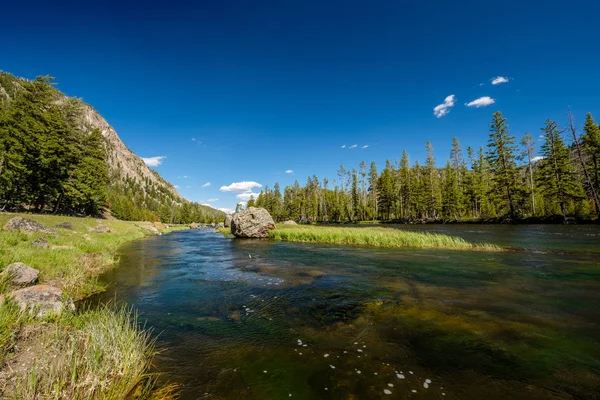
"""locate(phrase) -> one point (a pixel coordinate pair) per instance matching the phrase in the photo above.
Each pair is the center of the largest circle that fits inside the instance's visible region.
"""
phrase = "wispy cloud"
(365, 146)
(185, 177)
(176, 186)
(243, 186)
(442, 109)
(289, 171)
(193, 139)
(246, 196)
(481, 84)
(343, 146)
(499, 79)
(207, 184)
(153, 161)
(481, 102)
(242, 203)
(210, 200)
(353, 146)
(226, 210)
(188, 186)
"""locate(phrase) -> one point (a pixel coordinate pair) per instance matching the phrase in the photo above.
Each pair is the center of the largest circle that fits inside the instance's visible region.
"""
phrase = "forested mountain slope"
(58, 153)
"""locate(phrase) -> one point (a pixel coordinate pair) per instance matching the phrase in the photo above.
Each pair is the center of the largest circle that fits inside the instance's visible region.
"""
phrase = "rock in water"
(193, 225)
(290, 222)
(21, 274)
(26, 225)
(227, 222)
(253, 222)
(41, 300)
(220, 225)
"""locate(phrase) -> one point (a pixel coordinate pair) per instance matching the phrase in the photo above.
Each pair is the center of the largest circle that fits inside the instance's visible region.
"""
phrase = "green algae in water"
(493, 325)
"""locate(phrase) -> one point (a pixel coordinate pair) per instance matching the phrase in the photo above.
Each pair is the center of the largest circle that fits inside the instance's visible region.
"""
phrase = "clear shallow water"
(327, 322)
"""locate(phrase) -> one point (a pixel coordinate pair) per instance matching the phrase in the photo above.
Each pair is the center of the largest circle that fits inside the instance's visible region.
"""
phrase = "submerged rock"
(41, 300)
(26, 225)
(253, 222)
(21, 274)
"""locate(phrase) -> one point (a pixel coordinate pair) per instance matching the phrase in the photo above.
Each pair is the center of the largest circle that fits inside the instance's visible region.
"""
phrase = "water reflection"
(263, 320)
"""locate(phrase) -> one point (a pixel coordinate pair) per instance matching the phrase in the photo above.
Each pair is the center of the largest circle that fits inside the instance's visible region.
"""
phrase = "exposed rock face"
(21, 274)
(41, 300)
(41, 242)
(26, 225)
(227, 222)
(65, 225)
(102, 229)
(253, 222)
(290, 222)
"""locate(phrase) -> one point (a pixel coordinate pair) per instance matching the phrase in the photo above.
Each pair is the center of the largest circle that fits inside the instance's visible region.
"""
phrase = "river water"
(252, 319)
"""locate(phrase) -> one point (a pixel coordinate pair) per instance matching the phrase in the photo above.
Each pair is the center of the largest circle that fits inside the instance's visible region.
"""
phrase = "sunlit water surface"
(252, 319)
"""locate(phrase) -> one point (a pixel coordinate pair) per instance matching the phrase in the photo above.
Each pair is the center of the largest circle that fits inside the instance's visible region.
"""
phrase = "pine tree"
(591, 139)
(501, 158)
(373, 190)
(557, 178)
(527, 154)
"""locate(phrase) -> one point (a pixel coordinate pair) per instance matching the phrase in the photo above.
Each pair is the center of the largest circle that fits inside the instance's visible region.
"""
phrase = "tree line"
(505, 181)
(51, 162)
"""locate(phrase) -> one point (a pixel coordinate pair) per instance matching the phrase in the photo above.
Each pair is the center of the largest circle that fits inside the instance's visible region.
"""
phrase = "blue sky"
(243, 91)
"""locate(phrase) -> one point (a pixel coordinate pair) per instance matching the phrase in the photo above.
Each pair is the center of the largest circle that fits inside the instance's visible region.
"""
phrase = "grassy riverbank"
(94, 354)
(374, 237)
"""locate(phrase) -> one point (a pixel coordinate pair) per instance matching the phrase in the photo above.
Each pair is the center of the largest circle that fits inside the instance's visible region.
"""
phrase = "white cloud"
(481, 102)
(246, 196)
(206, 204)
(185, 177)
(188, 186)
(498, 80)
(226, 210)
(289, 171)
(537, 158)
(210, 200)
(244, 186)
(207, 184)
(365, 146)
(176, 186)
(153, 161)
(242, 203)
(343, 146)
(352, 147)
(442, 109)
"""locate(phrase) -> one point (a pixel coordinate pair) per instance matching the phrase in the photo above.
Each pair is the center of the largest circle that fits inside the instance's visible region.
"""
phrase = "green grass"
(375, 237)
(72, 269)
(93, 355)
(97, 354)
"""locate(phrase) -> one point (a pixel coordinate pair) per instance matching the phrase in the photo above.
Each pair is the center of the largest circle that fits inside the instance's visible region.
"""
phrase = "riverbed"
(258, 319)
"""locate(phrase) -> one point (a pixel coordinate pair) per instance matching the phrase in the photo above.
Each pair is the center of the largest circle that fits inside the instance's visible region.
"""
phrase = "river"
(252, 319)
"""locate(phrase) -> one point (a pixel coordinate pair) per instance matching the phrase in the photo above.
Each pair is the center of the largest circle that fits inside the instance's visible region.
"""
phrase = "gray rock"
(65, 225)
(253, 222)
(41, 300)
(26, 225)
(151, 229)
(227, 222)
(193, 225)
(290, 222)
(220, 225)
(21, 274)
(41, 242)
(102, 229)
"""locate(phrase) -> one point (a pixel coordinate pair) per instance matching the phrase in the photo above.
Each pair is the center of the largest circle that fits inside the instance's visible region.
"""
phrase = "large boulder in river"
(41, 300)
(227, 222)
(26, 225)
(253, 222)
(20, 274)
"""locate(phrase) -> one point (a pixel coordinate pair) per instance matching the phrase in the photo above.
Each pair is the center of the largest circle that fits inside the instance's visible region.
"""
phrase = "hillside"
(47, 156)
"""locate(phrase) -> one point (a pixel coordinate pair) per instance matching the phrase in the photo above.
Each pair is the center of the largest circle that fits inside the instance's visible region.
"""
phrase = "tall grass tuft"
(99, 354)
(376, 237)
